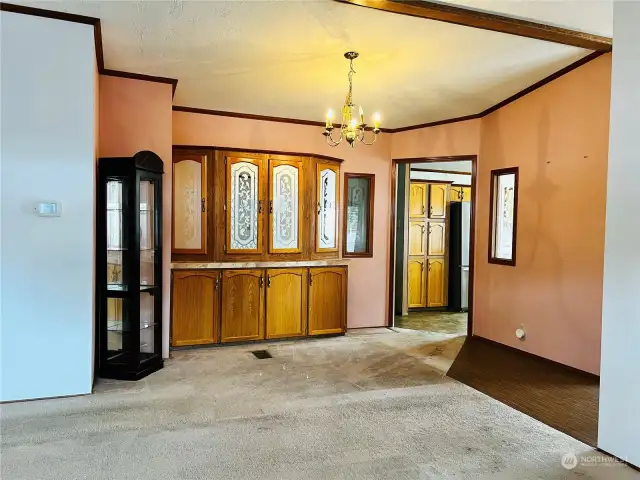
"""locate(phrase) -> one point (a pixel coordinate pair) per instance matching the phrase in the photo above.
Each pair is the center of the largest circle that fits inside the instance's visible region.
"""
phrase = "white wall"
(47, 153)
(464, 166)
(619, 422)
(443, 177)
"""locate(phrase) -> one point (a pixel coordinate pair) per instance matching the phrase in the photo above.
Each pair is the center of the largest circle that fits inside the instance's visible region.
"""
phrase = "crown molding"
(468, 17)
(97, 38)
(250, 116)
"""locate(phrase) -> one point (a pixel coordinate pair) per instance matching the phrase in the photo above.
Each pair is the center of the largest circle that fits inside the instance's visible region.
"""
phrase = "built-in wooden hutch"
(255, 247)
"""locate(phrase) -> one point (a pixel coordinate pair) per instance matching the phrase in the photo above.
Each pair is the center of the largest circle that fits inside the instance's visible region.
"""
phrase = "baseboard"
(5, 402)
(592, 376)
(635, 467)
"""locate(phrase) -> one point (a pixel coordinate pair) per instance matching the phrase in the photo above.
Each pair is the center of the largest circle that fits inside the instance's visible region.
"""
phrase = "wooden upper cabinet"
(244, 205)
(195, 306)
(242, 305)
(436, 283)
(436, 240)
(416, 237)
(455, 193)
(327, 300)
(189, 206)
(286, 302)
(466, 194)
(285, 206)
(327, 194)
(416, 287)
(417, 199)
(438, 195)
(458, 193)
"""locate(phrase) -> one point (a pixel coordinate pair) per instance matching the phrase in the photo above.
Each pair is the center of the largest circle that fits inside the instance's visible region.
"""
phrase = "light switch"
(48, 209)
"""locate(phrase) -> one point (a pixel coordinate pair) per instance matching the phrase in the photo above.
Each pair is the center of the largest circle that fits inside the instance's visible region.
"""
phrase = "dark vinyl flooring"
(564, 399)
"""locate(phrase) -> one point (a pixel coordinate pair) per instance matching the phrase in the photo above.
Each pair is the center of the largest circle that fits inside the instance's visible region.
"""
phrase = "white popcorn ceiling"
(285, 58)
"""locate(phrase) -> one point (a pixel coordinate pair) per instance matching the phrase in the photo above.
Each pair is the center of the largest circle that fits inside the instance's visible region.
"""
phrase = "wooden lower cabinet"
(242, 305)
(195, 307)
(417, 291)
(327, 300)
(286, 302)
(436, 283)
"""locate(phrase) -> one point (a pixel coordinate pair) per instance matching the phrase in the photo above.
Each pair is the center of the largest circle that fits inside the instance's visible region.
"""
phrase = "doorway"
(431, 248)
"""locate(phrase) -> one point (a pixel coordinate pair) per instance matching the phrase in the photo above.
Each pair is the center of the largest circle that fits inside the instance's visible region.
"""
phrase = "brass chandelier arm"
(328, 133)
(361, 138)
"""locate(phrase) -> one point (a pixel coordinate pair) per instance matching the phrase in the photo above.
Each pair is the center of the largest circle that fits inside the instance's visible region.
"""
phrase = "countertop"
(333, 262)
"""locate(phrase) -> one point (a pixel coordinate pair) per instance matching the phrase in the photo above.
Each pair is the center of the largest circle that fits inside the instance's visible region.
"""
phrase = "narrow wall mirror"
(358, 215)
(503, 216)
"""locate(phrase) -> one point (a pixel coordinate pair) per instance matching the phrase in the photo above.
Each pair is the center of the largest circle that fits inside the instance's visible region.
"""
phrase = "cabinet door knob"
(270, 206)
(268, 281)
(259, 206)
(310, 280)
(217, 282)
(261, 281)
(319, 208)
(202, 204)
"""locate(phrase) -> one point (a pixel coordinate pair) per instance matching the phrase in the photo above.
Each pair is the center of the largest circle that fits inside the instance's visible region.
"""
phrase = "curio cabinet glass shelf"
(129, 266)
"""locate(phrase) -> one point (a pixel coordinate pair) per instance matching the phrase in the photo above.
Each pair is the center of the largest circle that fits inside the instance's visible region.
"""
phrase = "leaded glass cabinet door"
(244, 205)
(285, 206)
(189, 207)
(327, 191)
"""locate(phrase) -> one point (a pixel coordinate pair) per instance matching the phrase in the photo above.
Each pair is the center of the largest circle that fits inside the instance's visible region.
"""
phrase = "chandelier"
(352, 127)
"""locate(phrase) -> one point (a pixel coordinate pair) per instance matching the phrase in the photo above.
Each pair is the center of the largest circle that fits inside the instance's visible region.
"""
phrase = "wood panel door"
(327, 200)
(417, 199)
(286, 214)
(436, 240)
(417, 237)
(416, 287)
(286, 302)
(435, 283)
(438, 195)
(195, 307)
(242, 305)
(327, 300)
(244, 204)
(189, 204)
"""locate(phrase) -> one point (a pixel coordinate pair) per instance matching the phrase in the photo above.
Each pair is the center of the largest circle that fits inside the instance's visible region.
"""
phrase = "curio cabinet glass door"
(129, 266)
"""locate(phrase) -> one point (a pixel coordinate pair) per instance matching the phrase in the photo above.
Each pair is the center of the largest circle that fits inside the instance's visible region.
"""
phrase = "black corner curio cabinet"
(129, 266)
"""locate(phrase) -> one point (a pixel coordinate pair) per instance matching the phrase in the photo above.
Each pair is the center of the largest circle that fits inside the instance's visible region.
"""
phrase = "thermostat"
(48, 209)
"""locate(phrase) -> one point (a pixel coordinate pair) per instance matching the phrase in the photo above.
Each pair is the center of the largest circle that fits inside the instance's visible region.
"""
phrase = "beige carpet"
(374, 404)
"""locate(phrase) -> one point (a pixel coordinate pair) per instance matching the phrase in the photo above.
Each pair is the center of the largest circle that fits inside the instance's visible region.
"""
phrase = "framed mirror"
(357, 221)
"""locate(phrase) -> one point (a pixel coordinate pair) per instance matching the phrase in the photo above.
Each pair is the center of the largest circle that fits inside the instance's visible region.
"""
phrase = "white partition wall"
(46, 154)
(619, 422)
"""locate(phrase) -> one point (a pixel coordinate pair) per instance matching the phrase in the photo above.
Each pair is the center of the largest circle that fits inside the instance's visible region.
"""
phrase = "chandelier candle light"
(352, 127)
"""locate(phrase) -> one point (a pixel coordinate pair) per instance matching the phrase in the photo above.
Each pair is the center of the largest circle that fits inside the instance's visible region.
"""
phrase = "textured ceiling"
(285, 58)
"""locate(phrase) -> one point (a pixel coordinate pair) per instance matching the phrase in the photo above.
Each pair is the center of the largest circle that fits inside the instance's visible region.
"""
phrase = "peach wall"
(558, 137)
(136, 115)
(367, 299)
(460, 138)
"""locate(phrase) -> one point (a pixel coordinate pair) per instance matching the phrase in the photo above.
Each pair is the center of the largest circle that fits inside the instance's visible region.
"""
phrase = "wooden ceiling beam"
(488, 21)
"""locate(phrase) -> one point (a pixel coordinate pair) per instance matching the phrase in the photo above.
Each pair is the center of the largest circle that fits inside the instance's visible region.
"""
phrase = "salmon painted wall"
(136, 115)
(460, 138)
(558, 137)
(367, 299)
